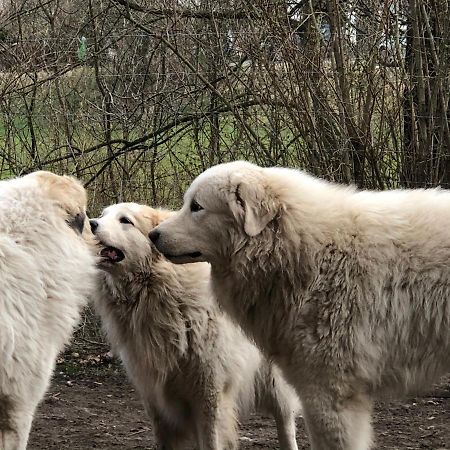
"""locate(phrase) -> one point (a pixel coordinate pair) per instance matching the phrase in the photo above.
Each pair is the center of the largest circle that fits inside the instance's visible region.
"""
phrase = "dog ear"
(66, 191)
(154, 216)
(254, 204)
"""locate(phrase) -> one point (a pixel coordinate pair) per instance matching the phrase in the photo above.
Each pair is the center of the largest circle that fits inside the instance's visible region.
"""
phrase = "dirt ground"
(96, 408)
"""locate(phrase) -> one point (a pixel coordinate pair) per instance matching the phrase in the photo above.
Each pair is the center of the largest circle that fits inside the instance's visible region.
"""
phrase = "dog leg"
(171, 425)
(336, 423)
(286, 429)
(282, 409)
(9, 440)
(220, 423)
(279, 399)
(207, 435)
(227, 421)
(14, 436)
(207, 421)
(166, 436)
(285, 409)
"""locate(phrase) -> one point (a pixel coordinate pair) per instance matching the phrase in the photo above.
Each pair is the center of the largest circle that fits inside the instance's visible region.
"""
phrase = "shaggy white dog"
(46, 274)
(348, 291)
(195, 371)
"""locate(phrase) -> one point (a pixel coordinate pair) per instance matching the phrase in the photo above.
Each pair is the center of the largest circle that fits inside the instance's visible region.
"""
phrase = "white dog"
(46, 273)
(195, 371)
(348, 291)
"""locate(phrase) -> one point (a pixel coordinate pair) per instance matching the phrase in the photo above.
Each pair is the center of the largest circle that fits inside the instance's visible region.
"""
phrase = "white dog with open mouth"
(46, 275)
(348, 291)
(195, 371)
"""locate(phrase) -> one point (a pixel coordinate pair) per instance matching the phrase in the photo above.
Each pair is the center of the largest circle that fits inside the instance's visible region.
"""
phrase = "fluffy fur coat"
(195, 371)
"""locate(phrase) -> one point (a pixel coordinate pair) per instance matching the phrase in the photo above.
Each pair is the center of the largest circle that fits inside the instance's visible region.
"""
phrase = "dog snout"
(94, 225)
(154, 236)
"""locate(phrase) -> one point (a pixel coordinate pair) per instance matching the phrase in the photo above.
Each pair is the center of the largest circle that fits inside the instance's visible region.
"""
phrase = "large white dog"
(46, 274)
(196, 372)
(348, 291)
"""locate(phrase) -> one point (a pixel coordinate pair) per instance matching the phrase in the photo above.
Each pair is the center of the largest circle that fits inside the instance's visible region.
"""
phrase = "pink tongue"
(109, 253)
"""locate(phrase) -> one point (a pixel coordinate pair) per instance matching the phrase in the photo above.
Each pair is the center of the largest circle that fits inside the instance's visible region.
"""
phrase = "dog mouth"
(111, 254)
(185, 257)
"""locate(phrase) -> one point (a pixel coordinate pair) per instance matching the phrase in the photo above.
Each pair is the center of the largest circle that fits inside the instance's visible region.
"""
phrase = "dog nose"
(94, 225)
(154, 235)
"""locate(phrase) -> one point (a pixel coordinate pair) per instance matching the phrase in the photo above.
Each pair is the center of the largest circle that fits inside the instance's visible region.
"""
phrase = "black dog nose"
(94, 225)
(154, 235)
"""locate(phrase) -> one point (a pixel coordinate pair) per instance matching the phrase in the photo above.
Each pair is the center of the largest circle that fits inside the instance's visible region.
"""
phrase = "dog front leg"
(164, 434)
(15, 426)
(207, 423)
(286, 429)
(336, 423)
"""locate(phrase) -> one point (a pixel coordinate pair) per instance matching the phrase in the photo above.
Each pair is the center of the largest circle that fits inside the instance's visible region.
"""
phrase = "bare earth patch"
(100, 410)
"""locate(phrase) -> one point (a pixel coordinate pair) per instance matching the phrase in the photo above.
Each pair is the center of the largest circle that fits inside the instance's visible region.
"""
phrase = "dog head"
(68, 195)
(224, 207)
(122, 235)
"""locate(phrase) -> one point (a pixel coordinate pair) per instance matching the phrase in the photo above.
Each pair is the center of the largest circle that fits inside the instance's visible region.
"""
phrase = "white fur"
(348, 291)
(46, 274)
(195, 371)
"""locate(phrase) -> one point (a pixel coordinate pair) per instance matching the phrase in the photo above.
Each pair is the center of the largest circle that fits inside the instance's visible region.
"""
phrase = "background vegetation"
(136, 98)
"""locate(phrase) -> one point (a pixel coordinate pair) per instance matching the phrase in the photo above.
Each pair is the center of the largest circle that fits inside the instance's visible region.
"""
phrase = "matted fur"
(46, 275)
(348, 291)
(194, 370)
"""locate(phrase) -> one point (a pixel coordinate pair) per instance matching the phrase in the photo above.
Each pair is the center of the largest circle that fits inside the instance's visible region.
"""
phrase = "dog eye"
(195, 207)
(126, 221)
